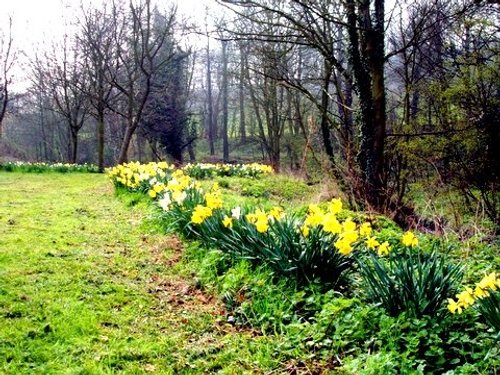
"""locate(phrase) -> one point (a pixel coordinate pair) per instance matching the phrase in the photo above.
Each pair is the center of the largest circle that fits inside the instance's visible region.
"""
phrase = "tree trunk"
(367, 59)
(243, 134)
(127, 138)
(192, 155)
(325, 100)
(210, 125)
(376, 62)
(74, 147)
(100, 141)
(3, 107)
(225, 113)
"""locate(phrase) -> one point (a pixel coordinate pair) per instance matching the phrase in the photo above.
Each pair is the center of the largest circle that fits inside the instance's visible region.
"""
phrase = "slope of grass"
(87, 288)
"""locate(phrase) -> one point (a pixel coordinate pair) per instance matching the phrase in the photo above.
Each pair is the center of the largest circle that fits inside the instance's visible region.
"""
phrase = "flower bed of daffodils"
(41, 167)
(323, 244)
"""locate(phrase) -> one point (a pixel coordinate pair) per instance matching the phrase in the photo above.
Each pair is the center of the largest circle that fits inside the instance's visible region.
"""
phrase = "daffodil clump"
(405, 277)
(140, 177)
(212, 201)
(347, 234)
(467, 297)
(317, 245)
(136, 176)
(485, 295)
(40, 167)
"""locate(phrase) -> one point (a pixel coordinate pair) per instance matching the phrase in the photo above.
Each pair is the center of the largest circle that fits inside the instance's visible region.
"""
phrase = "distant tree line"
(121, 76)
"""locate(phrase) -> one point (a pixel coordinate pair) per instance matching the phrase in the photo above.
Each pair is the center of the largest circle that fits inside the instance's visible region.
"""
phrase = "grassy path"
(85, 288)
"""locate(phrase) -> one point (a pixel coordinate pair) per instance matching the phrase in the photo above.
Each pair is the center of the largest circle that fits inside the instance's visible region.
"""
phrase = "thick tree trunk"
(377, 62)
(367, 58)
(74, 147)
(100, 142)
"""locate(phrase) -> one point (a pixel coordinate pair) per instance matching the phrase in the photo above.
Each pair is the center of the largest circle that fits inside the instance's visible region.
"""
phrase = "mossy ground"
(88, 287)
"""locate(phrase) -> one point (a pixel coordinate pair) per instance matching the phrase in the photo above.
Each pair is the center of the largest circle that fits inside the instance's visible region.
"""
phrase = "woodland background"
(395, 103)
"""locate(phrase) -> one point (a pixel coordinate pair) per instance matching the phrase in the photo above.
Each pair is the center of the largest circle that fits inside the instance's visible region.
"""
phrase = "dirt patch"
(178, 292)
(159, 247)
(184, 297)
(172, 290)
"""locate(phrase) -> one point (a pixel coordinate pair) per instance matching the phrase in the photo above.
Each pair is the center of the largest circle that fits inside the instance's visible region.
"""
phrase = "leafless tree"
(66, 85)
(137, 48)
(97, 28)
(7, 58)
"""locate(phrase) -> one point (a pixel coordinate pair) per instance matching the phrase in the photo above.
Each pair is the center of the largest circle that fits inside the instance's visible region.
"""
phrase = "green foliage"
(283, 190)
(282, 248)
(489, 307)
(410, 281)
(202, 171)
(256, 298)
(379, 363)
(131, 198)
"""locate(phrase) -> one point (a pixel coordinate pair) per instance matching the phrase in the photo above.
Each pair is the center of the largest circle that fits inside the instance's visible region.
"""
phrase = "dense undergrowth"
(346, 291)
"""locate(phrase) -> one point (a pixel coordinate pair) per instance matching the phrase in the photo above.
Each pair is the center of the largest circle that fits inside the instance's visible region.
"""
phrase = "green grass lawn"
(87, 287)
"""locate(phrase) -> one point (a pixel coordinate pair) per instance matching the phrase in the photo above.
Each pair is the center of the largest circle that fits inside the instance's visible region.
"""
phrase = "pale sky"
(36, 23)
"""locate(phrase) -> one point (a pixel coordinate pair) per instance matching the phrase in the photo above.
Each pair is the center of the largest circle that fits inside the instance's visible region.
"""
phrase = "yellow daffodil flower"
(372, 243)
(343, 247)
(489, 282)
(465, 298)
(335, 206)
(480, 292)
(200, 213)
(331, 224)
(409, 239)
(276, 213)
(213, 200)
(262, 226)
(350, 236)
(365, 229)
(305, 230)
(454, 306)
(227, 222)
(383, 249)
(348, 225)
